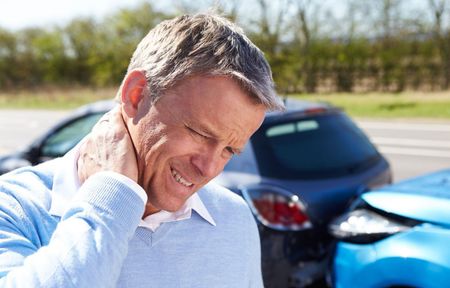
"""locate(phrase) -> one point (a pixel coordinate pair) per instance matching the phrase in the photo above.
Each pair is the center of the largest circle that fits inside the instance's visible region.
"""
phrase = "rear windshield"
(321, 146)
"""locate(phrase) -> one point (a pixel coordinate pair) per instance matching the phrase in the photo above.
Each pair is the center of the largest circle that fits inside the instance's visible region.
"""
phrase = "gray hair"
(203, 44)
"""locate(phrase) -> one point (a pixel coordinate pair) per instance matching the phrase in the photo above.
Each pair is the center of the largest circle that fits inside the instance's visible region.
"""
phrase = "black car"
(59, 139)
(298, 171)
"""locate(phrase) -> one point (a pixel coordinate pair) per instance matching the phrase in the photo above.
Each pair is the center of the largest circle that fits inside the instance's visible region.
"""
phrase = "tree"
(118, 36)
(8, 56)
(442, 38)
(307, 16)
(82, 46)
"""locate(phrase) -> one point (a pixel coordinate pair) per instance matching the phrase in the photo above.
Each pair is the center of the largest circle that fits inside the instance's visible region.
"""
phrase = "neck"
(149, 210)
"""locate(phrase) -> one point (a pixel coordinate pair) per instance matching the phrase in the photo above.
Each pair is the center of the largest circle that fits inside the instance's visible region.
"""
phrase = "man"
(132, 206)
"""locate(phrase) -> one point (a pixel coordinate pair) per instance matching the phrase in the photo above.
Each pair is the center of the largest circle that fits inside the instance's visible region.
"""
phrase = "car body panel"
(415, 257)
(401, 259)
(425, 198)
(327, 197)
(324, 197)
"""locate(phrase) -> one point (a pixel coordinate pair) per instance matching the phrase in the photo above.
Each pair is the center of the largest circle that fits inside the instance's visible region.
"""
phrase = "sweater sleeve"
(86, 249)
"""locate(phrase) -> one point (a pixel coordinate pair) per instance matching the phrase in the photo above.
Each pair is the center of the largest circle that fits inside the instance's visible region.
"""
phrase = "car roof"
(95, 107)
(296, 108)
(303, 105)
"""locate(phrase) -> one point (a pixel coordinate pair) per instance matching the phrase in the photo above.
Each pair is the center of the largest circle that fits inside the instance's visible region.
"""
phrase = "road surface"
(18, 128)
(412, 147)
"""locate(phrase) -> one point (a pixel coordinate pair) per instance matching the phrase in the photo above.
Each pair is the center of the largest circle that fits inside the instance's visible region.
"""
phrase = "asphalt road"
(412, 147)
(18, 128)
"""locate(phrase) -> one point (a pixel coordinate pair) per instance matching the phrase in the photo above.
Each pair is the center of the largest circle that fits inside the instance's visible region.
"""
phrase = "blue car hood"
(425, 198)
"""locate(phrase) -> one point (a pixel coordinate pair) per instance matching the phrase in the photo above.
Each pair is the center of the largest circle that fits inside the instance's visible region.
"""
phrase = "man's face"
(186, 138)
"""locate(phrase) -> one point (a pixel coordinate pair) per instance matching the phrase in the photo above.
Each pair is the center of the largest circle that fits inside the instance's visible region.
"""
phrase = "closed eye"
(232, 151)
(229, 150)
(195, 132)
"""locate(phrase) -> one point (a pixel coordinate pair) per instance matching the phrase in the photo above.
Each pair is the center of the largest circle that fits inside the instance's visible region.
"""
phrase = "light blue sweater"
(97, 242)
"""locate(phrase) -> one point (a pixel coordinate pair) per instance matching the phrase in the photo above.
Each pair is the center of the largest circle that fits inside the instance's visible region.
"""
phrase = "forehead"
(218, 103)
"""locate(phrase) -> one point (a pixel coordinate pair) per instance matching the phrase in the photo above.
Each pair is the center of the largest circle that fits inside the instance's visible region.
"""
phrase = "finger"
(106, 119)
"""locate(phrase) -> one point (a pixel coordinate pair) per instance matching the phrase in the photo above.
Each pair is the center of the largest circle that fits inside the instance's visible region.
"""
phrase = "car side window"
(68, 136)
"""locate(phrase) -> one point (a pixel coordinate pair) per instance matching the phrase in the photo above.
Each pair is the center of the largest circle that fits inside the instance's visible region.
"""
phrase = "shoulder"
(217, 195)
(225, 205)
(233, 218)
(234, 221)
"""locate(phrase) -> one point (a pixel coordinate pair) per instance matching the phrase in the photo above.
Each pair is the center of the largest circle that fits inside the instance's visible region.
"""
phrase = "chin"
(171, 206)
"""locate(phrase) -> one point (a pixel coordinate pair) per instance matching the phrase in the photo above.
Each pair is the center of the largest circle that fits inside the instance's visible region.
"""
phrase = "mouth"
(178, 178)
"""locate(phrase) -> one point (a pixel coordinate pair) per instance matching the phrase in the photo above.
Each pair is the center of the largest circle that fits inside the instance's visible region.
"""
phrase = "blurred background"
(313, 46)
(386, 62)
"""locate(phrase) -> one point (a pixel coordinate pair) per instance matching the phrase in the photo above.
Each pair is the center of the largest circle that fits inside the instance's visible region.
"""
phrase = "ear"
(133, 91)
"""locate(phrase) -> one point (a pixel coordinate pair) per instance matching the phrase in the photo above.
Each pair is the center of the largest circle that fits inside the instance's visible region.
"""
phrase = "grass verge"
(53, 98)
(387, 105)
(378, 105)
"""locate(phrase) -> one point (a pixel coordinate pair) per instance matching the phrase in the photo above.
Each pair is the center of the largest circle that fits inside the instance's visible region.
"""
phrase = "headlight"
(276, 208)
(364, 226)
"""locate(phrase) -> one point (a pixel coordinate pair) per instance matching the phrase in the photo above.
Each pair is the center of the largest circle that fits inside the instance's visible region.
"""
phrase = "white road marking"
(412, 146)
(414, 152)
(404, 126)
(410, 142)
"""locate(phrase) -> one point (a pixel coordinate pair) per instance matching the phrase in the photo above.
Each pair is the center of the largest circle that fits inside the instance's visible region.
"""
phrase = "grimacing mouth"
(176, 175)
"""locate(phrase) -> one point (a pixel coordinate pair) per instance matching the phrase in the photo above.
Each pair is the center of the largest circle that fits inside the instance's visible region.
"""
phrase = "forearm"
(90, 243)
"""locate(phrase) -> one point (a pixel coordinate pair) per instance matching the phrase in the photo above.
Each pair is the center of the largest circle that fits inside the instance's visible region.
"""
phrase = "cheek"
(161, 145)
(180, 147)
(148, 137)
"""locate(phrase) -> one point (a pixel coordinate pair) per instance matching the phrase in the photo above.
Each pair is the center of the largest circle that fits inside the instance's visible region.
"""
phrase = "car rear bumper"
(308, 273)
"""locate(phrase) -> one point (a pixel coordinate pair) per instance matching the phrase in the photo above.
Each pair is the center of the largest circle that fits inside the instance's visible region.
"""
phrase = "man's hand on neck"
(108, 148)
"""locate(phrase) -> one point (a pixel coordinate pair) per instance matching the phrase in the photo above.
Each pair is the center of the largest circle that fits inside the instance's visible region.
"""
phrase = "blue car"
(396, 236)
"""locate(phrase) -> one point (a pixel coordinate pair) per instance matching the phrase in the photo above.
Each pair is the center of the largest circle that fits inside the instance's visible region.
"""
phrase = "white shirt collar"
(66, 184)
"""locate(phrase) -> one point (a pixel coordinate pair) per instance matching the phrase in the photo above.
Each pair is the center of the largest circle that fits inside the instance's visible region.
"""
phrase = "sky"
(17, 14)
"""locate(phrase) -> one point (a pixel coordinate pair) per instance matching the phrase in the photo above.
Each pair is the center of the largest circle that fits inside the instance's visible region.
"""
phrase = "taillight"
(276, 208)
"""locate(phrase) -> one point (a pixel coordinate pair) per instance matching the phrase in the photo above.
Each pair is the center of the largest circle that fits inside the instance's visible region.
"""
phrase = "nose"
(209, 162)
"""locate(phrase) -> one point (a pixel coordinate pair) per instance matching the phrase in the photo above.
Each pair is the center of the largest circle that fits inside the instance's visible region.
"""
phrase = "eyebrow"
(210, 133)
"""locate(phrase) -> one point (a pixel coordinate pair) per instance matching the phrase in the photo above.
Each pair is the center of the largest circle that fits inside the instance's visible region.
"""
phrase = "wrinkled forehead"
(217, 103)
